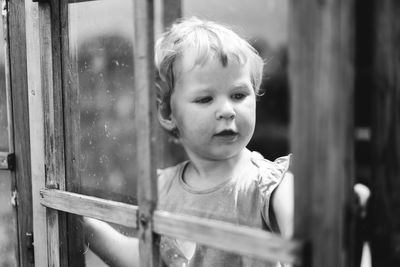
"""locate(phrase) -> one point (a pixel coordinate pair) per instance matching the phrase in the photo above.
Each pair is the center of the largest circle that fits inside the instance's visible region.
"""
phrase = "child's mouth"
(226, 133)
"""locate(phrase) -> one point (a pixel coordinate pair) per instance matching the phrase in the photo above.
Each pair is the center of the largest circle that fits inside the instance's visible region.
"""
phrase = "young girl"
(209, 78)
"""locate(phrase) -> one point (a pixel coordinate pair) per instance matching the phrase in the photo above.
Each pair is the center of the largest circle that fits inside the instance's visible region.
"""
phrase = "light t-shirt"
(241, 201)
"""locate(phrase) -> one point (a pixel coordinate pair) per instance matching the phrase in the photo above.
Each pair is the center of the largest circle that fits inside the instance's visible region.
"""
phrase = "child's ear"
(164, 116)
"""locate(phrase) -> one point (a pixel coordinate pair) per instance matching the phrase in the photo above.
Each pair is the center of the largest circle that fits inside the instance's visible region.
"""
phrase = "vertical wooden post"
(50, 51)
(16, 82)
(321, 81)
(36, 132)
(71, 112)
(145, 121)
(385, 185)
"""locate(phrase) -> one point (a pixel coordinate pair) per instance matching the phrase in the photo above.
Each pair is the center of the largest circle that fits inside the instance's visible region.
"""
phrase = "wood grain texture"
(71, 112)
(51, 73)
(36, 120)
(16, 78)
(221, 235)
(98, 208)
(217, 234)
(4, 156)
(321, 80)
(145, 125)
(7, 75)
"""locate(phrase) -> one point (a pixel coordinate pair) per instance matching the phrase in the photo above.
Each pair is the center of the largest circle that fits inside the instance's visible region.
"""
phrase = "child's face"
(213, 108)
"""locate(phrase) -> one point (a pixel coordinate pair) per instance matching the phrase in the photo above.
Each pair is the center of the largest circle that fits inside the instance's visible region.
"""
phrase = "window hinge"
(7, 161)
(30, 247)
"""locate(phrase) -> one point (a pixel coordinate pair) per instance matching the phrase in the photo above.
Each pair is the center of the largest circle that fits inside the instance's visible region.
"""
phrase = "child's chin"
(224, 154)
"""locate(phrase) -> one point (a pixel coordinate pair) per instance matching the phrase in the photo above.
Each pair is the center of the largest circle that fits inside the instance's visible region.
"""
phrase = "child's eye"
(203, 100)
(238, 96)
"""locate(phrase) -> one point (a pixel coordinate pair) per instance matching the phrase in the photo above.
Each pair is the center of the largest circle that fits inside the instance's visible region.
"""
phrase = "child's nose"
(226, 111)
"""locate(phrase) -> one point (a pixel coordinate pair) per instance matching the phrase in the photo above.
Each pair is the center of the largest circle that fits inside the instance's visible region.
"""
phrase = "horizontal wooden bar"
(217, 234)
(98, 208)
(229, 237)
(7, 161)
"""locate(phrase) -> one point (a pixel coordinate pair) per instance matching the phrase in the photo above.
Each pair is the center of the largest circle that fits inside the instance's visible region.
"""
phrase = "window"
(74, 144)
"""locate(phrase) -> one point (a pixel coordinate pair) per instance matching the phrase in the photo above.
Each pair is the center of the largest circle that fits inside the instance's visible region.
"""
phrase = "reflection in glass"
(101, 34)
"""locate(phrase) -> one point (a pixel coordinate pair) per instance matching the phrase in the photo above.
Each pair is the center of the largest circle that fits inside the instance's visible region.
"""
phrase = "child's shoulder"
(167, 175)
(270, 171)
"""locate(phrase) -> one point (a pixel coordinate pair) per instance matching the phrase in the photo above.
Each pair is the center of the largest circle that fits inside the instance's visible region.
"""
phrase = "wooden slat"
(7, 75)
(145, 125)
(385, 146)
(36, 132)
(4, 156)
(51, 66)
(88, 206)
(229, 237)
(71, 108)
(46, 59)
(221, 235)
(321, 81)
(16, 79)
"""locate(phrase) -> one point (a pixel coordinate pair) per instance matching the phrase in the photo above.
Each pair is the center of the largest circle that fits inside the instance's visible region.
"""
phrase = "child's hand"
(112, 247)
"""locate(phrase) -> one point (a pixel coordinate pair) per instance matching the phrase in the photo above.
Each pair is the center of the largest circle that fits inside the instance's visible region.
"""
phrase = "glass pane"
(264, 24)
(8, 235)
(101, 34)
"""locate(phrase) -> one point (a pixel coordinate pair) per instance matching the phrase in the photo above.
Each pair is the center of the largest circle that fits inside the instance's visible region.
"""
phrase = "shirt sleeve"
(271, 174)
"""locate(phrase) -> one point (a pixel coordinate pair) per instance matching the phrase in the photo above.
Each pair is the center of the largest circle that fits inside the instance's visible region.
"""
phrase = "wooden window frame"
(328, 46)
(17, 158)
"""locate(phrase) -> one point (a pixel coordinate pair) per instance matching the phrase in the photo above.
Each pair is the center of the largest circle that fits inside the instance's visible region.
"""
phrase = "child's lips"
(227, 134)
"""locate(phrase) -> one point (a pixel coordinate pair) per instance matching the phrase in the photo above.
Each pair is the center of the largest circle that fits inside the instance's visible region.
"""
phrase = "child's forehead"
(190, 60)
(212, 72)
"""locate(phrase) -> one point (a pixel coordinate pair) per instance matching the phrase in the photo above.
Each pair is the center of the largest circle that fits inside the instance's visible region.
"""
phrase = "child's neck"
(204, 174)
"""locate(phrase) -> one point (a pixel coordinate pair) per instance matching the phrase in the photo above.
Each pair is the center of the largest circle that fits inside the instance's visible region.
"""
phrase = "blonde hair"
(206, 39)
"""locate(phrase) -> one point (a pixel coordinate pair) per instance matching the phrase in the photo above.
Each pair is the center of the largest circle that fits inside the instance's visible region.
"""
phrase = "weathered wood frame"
(326, 49)
(150, 223)
(321, 80)
(17, 158)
